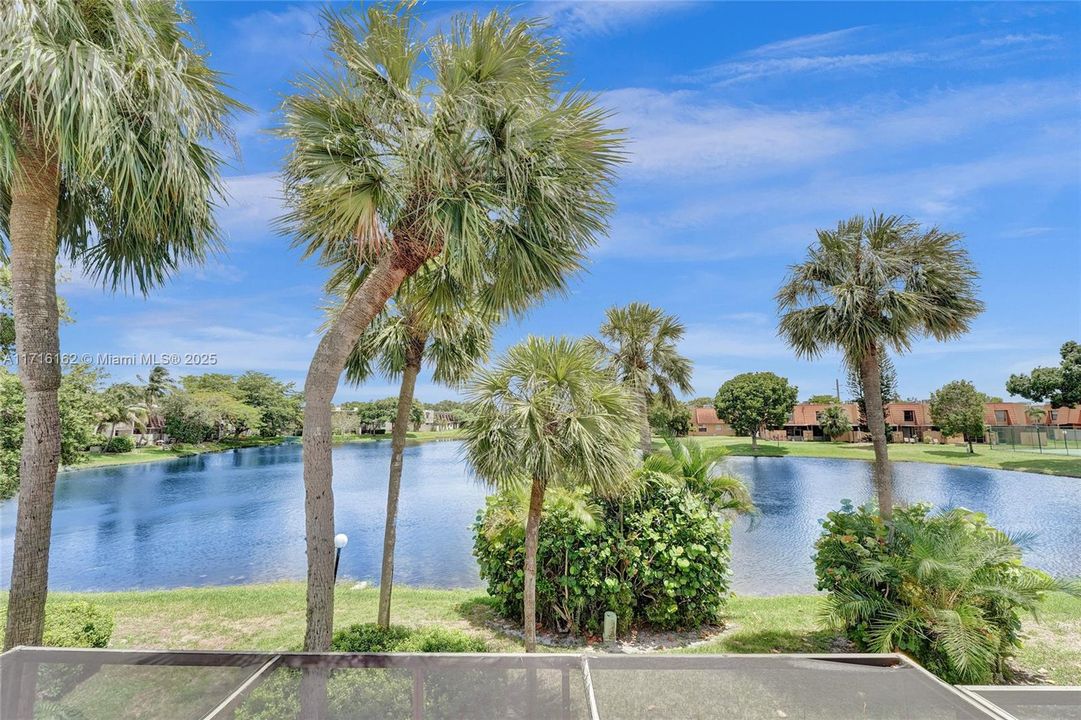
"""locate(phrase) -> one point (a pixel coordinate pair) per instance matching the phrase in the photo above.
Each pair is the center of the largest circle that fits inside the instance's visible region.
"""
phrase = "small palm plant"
(432, 320)
(641, 343)
(948, 589)
(697, 468)
(873, 285)
(549, 414)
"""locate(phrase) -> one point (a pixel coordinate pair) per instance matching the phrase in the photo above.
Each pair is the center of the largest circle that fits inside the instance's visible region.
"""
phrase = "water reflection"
(239, 517)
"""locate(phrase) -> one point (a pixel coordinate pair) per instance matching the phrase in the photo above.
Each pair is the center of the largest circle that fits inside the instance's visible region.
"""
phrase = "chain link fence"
(1035, 438)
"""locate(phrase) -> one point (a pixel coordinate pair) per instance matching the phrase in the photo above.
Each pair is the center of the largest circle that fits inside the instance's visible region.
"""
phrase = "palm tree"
(121, 404)
(549, 414)
(640, 341)
(156, 385)
(414, 328)
(697, 467)
(107, 112)
(873, 285)
(461, 147)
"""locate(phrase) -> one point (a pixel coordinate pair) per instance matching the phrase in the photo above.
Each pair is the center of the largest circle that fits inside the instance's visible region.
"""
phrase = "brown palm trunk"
(319, 387)
(645, 433)
(532, 535)
(871, 378)
(414, 356)
(33, 231)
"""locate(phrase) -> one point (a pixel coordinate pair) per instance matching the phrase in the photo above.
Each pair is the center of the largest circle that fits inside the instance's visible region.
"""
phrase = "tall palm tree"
(870, 286)
(415, 328)
(157, 384)
(641, 344)
(549, 414)
(107, 112)
(461, 146)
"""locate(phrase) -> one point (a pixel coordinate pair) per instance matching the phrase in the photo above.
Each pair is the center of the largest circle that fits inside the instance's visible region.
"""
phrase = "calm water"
(238, 517)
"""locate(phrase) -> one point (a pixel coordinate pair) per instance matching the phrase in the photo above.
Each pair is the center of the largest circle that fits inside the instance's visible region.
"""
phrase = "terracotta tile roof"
(705, 416)
(1014, 414)
(806, 414)
(920, 412)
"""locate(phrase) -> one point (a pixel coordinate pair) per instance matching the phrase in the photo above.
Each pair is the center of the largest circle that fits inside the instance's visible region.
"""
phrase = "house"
(437, 421)
(803, 423)
(911, 422)
(704, 421)
(1012, 414)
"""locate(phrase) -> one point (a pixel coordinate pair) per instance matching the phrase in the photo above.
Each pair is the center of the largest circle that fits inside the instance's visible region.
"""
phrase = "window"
(701, 428)
(1054, 416)
(1001, 416)
(910, 416)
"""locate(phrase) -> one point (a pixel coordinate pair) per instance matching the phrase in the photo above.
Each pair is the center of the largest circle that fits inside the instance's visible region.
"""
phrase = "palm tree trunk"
(870, 376)
(319, 387)
(414, 356)
(32, 233)
(532, 535)
(645, 433)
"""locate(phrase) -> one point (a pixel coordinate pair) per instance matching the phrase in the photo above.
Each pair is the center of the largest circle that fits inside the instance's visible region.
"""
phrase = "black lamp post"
(340, 541)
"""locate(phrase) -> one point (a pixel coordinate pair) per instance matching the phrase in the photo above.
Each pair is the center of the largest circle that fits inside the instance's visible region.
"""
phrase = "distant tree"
(641, 343)
(990, 398)
(834, 420)
(873, 285)
(822, 399)
(700, 402)
(1060, 385)
(80, 403)
(157, 384)
(957, 409)
(548, 414)
(753, 401)
(278, 402)
(1035, 414)
(123, 403)
(211, 382)
(670, 420)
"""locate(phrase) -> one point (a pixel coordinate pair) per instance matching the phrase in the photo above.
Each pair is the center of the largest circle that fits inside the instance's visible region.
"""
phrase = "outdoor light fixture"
(340, 541)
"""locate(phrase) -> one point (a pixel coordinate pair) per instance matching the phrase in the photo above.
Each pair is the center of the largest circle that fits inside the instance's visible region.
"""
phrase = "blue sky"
(750, 125)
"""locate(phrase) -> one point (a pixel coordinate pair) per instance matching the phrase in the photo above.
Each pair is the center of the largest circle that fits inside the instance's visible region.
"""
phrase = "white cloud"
(253, 203)
(804, 43)
(290, 35)
(598, 17)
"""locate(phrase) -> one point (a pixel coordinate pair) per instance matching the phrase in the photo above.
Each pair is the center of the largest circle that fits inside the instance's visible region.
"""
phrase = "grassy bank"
(271, 617)
(984, 456)
(151, 454)
(412, 437)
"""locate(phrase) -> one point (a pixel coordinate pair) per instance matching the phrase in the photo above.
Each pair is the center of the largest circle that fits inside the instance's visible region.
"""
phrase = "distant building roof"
(705, 416)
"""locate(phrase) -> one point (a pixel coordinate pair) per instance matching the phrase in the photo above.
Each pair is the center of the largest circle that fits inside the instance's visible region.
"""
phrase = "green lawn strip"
(152, 454)
(271, 617)
(412, 437)
(984, 456)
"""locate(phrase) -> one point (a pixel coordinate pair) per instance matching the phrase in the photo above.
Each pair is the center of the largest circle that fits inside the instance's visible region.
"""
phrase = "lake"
(238, 517)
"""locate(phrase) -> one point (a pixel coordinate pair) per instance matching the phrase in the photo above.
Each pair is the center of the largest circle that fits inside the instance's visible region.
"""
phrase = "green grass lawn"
(271, 617)
(946, 454)
(151, 454)
(413, 436)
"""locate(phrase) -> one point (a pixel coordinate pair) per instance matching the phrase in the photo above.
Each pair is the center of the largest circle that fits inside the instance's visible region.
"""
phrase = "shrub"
(119, 444)
(948, 589)
(368, 637)
(659, 559)
(77, 624)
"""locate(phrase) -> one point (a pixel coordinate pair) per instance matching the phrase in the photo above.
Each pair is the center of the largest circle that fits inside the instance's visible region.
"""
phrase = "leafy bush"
(119, 444)
(368, 637)
(948, 589)
(77, 624)
(659, 558)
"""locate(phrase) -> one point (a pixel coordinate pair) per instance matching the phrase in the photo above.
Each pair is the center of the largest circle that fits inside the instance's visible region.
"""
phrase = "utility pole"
(837, 384)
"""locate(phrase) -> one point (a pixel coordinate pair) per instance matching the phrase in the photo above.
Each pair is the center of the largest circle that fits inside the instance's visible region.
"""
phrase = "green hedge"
(660, 559)
(948, 589)
(119, 444)
(370, 638)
